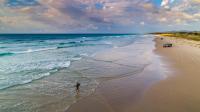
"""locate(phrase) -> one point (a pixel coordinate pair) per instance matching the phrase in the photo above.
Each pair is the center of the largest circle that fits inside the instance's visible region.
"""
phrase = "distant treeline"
(187, 35)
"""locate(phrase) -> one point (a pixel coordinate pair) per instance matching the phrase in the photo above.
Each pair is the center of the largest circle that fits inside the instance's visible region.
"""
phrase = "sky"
(98, 16)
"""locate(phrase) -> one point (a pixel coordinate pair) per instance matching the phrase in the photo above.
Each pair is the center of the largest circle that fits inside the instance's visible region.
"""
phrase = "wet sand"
(120, 93)
(174, 89)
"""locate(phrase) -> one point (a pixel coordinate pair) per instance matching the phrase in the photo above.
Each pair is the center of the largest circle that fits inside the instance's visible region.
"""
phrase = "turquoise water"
(28, 57)
(38, 72)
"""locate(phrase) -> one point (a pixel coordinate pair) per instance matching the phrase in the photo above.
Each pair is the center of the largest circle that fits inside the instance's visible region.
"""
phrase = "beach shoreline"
(111, 67)
(178, 91)
(140, 76)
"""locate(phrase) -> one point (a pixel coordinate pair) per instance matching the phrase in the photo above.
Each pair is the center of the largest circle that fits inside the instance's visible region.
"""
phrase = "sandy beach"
(173, 89)
(140, 76)
(180, 92)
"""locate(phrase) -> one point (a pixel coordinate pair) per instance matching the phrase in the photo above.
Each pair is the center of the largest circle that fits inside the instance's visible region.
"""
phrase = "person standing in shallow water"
(78, 87)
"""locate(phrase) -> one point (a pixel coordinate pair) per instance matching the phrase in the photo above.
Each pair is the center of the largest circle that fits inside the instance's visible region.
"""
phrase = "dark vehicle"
(167, 45)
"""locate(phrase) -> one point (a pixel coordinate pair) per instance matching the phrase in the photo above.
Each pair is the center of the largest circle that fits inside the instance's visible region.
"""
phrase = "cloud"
(164, 2)
(142, 23)
(95, 15)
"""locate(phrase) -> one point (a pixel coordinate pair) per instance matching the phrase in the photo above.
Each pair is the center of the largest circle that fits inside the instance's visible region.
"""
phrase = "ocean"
(35, 67)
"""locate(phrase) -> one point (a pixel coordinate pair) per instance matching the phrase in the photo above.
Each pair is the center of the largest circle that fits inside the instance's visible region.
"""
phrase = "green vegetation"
(186, 35)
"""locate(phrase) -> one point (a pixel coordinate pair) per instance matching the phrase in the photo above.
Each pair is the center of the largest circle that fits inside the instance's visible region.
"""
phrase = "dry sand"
(180, 92)
(146, 92)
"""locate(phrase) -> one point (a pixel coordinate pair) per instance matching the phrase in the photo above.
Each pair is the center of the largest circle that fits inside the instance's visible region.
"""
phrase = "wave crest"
(35, 50)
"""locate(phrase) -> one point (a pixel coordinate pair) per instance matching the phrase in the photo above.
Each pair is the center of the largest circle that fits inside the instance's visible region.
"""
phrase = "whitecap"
(34, 50)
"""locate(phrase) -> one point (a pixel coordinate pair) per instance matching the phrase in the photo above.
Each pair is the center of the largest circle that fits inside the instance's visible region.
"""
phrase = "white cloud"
(142, 23)
(164, 3)
(75, 15)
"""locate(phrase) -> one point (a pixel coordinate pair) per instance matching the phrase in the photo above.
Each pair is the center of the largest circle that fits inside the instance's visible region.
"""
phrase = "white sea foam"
(25, 81)
(34, 50)
(48, 65)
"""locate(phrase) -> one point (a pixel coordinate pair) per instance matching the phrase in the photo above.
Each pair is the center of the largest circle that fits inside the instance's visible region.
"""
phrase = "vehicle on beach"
(167, 45)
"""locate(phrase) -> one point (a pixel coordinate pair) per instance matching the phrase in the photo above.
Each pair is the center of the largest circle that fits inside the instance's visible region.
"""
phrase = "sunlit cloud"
(97, 15)
(165, 2)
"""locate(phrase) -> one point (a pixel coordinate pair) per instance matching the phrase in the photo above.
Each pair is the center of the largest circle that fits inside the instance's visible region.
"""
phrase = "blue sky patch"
(15, 3)
(99, 6)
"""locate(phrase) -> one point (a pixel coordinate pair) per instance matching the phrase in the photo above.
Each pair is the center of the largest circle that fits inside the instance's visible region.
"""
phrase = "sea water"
(35, 66)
